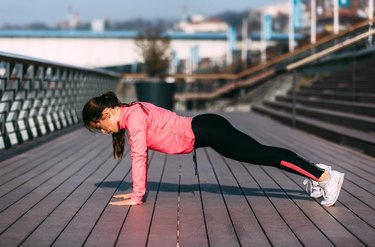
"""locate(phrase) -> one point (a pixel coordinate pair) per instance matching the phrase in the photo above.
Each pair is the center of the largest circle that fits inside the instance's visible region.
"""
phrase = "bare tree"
(154, 47)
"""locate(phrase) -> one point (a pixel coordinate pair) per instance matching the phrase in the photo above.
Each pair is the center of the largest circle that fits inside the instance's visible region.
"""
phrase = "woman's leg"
(216, 132)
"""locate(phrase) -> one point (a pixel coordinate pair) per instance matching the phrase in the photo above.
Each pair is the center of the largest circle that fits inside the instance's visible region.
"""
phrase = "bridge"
(57, 178)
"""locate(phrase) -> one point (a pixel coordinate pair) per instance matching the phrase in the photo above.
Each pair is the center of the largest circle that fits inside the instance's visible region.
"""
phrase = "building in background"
(198, 43)
(199, 24)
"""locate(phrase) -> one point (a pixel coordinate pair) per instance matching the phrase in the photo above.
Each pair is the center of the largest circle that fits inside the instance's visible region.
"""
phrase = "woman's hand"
(123, 196)
(127, 202)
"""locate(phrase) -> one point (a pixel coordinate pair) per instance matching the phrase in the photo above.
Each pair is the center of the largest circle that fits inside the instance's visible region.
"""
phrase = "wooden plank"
(192, 227)
(32, 165)
(355, 183)
(245, 223)
(219, 225)
(339, 235)
(14, 192)
(135, 229)
(111, 220)
(13, 158)
(79, 228)
(40, 216)
(61, 216)
(33, 199)
(230, 204)
(163, 228)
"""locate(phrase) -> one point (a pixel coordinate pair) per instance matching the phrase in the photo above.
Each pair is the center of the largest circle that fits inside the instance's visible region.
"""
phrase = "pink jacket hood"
(157, 129)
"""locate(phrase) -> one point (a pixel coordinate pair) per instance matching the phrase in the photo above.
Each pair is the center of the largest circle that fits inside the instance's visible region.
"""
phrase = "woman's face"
(108, 124)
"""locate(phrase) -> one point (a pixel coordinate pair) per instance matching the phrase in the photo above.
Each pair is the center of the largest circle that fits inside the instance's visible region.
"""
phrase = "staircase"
(336, 107)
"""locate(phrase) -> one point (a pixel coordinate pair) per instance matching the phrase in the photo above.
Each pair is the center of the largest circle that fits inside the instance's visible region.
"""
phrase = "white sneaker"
(312, 187)
(332, 188)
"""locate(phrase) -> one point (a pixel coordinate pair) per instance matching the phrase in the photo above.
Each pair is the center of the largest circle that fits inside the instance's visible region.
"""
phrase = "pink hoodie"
(159, 130)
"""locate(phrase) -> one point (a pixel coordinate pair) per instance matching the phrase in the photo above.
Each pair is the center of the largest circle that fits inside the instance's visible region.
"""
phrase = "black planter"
(157, 93)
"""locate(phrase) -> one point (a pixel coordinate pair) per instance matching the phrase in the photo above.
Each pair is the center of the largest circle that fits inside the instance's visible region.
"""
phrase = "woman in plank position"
(155, 128)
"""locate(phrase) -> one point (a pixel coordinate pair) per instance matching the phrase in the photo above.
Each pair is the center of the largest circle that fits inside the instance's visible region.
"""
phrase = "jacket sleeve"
(137, 131)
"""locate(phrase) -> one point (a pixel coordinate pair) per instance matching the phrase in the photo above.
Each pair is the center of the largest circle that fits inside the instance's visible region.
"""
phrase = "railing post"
(294, 87)
(354, 72)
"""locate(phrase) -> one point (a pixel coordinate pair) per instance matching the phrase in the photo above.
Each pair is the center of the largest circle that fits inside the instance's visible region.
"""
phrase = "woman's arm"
(137, 131)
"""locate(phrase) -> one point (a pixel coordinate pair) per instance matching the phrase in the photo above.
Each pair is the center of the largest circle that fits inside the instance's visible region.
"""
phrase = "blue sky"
(53, 11)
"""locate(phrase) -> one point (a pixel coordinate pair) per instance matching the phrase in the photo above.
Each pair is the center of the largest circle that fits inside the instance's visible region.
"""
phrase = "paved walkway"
(58, 193)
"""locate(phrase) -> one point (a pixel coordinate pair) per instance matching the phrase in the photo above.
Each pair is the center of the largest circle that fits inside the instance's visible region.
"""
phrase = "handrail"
(251, 70)
(38, 97)
(266, 69)
(16, 58)
(302, 49)
(329, 50)
(218, 76)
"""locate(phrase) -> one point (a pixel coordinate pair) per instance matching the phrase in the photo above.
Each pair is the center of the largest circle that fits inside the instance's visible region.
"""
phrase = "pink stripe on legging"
(298, 169)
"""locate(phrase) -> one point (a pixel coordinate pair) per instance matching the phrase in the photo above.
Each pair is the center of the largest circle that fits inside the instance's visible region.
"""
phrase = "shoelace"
(309, 185)
(312, 188)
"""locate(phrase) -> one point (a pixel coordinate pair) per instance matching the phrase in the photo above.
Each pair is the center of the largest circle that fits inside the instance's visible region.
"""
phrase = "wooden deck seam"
(126, 152)
(222, 195)
(311, 150)
(202, 206)
(101, 213)
(348, 180)
(88, 197)
(359, 217)
(43, 159)
(237, 204)
(46, 161)
(248, 203)
(266, 136)
(272, 203)
(41, 222)
(156, 198)
(296, 204)
(67, 166)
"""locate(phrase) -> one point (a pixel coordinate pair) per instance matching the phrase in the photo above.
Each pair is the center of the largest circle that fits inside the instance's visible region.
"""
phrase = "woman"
(155, 128)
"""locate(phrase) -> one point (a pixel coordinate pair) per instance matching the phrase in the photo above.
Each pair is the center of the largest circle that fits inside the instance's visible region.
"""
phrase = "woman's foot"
(312, 187)
(127, 202)
(332, 188)
(123, 196)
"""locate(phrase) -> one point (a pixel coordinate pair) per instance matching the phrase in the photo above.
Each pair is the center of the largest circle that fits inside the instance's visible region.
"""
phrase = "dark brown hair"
(92, 112)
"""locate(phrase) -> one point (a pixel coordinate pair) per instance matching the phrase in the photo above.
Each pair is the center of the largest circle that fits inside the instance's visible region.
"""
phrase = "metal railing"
(38, 96)
(213, 86)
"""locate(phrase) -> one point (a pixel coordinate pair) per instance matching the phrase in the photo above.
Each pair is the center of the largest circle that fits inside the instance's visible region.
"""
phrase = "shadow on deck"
(58, 193)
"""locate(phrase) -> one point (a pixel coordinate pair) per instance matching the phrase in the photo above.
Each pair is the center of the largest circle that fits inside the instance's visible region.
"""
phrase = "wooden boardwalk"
(57, 194)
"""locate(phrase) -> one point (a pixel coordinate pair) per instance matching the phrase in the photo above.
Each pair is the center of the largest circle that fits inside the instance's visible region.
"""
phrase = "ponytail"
(118, 143)
(92, 111)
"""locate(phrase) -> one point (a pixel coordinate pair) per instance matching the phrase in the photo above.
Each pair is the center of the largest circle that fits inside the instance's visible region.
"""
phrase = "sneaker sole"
(316, 196)
(341, 180)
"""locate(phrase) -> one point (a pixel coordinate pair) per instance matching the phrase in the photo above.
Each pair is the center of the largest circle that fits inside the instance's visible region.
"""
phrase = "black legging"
(214, 131)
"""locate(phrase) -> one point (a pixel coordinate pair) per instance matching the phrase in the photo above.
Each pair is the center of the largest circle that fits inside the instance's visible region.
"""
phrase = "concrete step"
(355, 139)
(347, 80)
(354, 121)
(342, 88)
(364, 109)
(356, 97)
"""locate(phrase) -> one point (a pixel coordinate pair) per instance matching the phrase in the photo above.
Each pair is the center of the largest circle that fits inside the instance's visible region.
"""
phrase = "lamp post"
(335, 16)
(313, 22)
(370, 9)
(244, 41)
(291, 26)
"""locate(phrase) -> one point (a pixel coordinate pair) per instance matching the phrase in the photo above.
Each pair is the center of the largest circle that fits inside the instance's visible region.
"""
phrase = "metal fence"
(38, 97)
